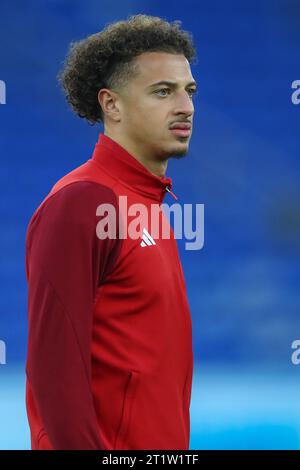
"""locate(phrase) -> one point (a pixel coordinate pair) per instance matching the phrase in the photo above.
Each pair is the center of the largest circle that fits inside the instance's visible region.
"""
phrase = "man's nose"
(184, 104)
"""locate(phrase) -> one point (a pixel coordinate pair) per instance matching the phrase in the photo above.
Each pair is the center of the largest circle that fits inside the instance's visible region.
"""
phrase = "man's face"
(157, 98)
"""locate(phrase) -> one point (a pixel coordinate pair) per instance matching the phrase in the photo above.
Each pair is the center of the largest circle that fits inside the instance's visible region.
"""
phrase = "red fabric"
(109, 359)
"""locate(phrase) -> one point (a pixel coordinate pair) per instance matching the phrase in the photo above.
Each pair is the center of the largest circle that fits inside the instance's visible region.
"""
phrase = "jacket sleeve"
(65, 263)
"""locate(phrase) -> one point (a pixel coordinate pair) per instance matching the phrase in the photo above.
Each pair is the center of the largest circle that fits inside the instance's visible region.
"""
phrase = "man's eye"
(166, 91)
(162, 90)
(192, 91)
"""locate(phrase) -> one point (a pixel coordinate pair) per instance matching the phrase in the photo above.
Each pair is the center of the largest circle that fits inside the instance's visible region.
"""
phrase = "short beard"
(179, 154)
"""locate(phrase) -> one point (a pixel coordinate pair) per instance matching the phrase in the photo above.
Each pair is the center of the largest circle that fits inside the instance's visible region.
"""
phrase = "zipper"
(172, 194)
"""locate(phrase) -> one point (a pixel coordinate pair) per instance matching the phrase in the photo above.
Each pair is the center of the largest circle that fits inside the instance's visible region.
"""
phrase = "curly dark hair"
(105, 59)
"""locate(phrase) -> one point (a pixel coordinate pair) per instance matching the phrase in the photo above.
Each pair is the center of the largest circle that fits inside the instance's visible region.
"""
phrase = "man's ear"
(108, 100)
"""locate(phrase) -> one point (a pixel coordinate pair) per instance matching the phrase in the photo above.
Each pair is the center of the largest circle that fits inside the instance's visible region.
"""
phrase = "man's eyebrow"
(170, 84)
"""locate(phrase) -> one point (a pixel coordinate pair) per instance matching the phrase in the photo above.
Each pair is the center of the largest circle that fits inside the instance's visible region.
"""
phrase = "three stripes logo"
(147, 240)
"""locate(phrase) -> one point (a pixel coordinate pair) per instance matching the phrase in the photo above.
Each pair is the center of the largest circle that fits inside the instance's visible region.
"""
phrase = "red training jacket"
(109, 355)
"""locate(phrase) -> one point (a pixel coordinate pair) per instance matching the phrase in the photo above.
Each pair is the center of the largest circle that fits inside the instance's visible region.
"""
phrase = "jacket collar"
(120, 164)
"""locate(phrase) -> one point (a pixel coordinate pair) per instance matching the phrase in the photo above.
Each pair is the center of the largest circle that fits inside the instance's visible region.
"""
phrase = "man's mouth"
(181, 132)
(182, 129)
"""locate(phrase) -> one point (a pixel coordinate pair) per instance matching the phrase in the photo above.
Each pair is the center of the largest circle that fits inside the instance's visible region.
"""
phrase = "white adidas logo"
(147, 240)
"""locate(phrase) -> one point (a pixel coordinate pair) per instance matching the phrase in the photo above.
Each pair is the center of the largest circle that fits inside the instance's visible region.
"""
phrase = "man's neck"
(157, 167)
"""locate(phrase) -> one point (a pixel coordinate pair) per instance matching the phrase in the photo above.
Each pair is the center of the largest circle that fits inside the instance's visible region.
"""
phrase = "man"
(110, 358)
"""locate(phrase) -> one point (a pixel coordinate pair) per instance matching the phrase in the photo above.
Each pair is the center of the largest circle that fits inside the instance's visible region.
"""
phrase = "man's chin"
(175, 149)
(180, 151)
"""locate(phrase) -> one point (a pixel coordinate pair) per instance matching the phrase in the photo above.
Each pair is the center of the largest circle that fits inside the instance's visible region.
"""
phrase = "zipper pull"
(169, 191)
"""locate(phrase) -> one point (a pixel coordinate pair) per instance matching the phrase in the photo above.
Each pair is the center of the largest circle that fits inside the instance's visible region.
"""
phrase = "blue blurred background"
(243, 165)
